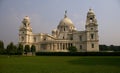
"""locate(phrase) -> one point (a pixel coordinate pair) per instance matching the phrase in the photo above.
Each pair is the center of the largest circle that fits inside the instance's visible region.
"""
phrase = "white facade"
(63, 37)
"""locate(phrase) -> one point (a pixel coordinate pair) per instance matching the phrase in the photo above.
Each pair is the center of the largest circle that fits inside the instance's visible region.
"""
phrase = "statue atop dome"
(65, 14)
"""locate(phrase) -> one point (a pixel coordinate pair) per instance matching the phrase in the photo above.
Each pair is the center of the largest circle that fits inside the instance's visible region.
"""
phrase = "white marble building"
(64, 36)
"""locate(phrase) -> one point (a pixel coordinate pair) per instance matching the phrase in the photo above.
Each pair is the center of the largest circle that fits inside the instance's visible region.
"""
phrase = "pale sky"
(45, 15)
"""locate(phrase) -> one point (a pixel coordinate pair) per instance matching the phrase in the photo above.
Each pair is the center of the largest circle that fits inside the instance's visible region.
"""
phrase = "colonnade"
(58, 46)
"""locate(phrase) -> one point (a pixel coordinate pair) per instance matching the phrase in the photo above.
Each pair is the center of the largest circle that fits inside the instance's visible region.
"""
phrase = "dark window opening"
(92, 36)
(22, 38)
(64, 28)
(80, 46)
(71, 38)
(44, 39)
(91, 28)
(71, 44)
(24, 24)
(92, 45)
(91, 18)
(63, 37)
(80, 38)
(63, 46)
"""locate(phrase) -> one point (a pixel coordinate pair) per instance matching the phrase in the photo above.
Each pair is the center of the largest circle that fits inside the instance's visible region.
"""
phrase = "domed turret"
(91, 17)
(26, 21)
(90, 11)
(54, 32)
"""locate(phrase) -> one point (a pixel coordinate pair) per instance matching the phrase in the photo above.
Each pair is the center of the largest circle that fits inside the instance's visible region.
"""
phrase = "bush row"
(77, 53)
(5, 53)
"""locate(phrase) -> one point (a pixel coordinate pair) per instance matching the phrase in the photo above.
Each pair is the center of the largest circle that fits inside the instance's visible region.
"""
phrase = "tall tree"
(20, 49)
(33, 49)
(11, 49)
(1, 47)
(1, 44)
(103, 47)
(8, 49)
(112, 47)
(27, 49)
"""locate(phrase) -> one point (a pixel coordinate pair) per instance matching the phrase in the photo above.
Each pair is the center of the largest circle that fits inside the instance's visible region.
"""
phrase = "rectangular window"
(92, 36)
(64, 28)
(80, 47)
(71, 38)
(80, 38)
(92, 45)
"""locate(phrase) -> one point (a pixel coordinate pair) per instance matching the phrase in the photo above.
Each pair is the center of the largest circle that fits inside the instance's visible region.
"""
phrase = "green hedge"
(77, 53)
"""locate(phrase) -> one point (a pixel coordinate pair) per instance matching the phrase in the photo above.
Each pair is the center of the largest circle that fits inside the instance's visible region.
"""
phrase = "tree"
(33, 49)
(72, 49)
(20, 49)
(112, 47)
(103, 48)
(11, 49)
(109, 48)
(1, 44)
(1, 47)
(27, 49)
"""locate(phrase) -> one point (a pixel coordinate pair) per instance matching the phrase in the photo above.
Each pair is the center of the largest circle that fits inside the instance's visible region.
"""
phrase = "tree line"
(109, 48)
(19, 49)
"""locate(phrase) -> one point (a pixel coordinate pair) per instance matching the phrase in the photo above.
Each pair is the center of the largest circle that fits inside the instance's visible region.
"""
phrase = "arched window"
(91, 20)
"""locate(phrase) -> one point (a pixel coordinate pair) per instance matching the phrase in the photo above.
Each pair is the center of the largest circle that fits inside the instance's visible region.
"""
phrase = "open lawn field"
(60, 64)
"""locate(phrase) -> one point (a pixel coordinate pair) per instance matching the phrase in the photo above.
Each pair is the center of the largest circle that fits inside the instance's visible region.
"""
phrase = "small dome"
(90, 11)
(54, 30)
(66, 22)
(26, 18)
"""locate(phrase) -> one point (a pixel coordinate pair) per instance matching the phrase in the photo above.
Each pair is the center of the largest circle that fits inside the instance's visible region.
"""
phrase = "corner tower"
(25, 32)
(92, 41)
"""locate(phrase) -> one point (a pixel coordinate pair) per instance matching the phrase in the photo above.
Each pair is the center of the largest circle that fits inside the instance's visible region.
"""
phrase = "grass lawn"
(60, 64)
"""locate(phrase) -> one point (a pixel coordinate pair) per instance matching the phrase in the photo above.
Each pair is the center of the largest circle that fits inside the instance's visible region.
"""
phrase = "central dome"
(66, 22)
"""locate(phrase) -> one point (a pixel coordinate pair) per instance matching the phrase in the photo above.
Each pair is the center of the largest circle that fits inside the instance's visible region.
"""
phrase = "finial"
(65, 13)
(90, 9)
